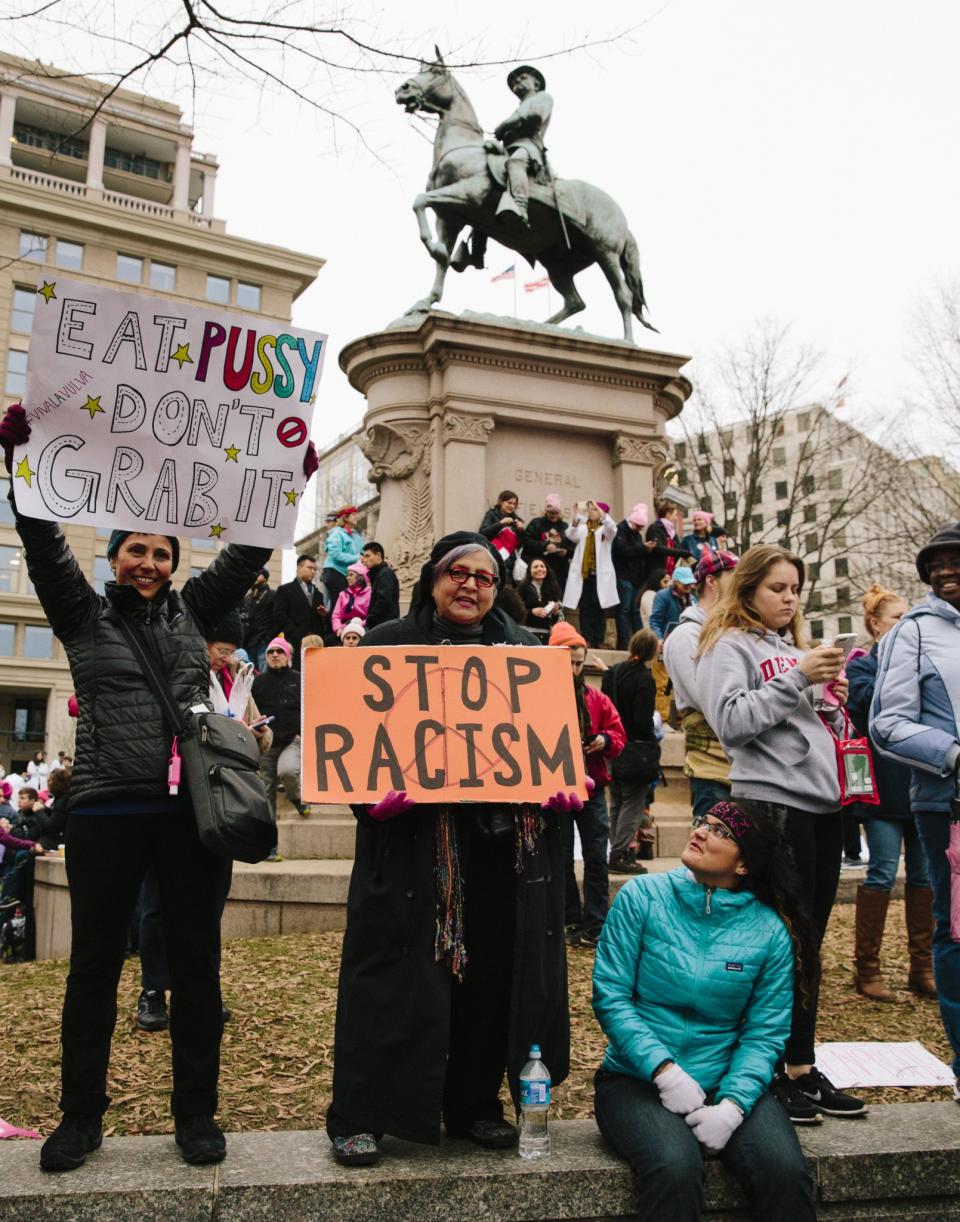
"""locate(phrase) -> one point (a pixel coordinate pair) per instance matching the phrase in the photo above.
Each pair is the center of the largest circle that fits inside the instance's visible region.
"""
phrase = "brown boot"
(871, 918)
(919, 914)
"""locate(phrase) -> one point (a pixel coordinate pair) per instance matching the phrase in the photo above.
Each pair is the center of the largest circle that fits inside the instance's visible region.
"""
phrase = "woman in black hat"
(443, 989)
(122, 816)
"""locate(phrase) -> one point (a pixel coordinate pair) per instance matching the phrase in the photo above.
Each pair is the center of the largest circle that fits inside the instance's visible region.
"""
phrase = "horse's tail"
(630, 265)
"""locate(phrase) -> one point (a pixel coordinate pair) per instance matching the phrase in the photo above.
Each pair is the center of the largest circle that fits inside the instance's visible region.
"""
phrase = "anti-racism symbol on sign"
(445, 724)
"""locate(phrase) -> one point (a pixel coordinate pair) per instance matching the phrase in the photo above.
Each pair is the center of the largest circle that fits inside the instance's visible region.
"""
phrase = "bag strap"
(158, 685)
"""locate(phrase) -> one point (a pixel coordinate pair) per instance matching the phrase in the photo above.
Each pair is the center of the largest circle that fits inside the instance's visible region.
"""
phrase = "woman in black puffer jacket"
(121, 817)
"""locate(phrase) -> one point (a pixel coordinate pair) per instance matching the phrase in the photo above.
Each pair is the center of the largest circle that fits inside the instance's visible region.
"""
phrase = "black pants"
(851, 837)
(334, 584)
(107, 857)
(154, 965)
(816, 843)
(593, 620)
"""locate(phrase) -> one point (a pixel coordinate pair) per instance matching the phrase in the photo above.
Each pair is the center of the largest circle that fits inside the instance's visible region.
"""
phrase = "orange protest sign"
(446, 723)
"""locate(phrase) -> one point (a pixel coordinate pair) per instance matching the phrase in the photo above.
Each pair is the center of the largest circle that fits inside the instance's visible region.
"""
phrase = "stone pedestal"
(461, 407)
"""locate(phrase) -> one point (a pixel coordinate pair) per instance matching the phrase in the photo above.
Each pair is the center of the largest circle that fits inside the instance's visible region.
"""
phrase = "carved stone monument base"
(460, 408)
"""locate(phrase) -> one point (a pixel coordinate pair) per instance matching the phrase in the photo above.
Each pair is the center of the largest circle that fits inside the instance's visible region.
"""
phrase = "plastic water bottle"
(534, 1107)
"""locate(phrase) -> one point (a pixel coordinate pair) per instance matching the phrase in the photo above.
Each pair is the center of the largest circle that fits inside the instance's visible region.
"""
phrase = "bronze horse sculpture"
(465, 185)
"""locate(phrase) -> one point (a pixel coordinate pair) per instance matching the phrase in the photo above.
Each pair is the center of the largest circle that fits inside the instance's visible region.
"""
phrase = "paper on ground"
(881, 1064)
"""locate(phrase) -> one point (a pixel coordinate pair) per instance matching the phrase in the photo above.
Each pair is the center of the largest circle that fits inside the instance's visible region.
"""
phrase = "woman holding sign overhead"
(453, 958)
(122, 818)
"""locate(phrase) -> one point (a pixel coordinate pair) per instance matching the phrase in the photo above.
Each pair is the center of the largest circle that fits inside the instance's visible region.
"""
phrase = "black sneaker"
(821, 1091)
(624, 864)
(589, 939)
(573, 933)
(492, 1134)
(70, 1142)
(152, 1011)
(200, 1139)
(796, 1104)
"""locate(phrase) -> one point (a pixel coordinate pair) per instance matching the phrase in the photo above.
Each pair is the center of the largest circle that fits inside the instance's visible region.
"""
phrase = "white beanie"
(353, 625)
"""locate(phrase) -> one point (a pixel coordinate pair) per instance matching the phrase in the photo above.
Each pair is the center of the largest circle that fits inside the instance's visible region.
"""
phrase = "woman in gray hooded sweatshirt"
(755, 681)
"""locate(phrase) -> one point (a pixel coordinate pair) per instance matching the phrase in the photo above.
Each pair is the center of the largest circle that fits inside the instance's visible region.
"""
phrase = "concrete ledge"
(902, 1161)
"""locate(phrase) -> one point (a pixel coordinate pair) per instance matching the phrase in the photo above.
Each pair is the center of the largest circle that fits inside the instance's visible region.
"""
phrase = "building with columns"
(120, 198)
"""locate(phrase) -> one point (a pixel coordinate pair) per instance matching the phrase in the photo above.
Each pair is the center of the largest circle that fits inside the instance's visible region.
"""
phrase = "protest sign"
(446, 723)
(863, 1064)
(154, 415)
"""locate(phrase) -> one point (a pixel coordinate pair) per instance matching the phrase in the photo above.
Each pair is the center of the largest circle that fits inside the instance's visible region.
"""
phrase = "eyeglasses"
(484, 580)
(223, 651)
(280, 651)
(720, 830)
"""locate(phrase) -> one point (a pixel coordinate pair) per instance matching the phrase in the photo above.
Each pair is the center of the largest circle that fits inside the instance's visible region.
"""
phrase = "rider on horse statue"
(521, 134)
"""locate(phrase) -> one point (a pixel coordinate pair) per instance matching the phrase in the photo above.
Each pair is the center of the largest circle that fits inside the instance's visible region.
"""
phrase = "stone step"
(317, 837)
(901, 1162)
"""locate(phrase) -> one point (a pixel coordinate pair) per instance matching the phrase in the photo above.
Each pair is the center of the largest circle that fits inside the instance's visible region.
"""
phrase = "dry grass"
(277, 1051)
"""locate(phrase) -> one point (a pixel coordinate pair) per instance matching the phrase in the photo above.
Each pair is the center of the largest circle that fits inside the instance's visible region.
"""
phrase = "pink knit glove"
(395, 803)
(14, 431)
(591, 784)
(563, 802)
(310, 460)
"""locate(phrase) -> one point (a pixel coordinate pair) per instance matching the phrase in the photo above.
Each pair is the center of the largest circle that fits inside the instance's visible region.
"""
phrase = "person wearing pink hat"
(630, 565)
(545, 538)
(703, 538)
(354, 601)
(277, 695)
(592, 583)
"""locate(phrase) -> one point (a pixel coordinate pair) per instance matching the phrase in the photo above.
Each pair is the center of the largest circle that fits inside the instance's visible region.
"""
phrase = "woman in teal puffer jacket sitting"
(693, 987)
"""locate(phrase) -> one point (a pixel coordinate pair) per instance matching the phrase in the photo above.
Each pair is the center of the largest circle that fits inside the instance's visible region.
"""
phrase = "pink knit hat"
(702, 513)
(281, 642)
(603, 506)
(639, 514)
(552, 501)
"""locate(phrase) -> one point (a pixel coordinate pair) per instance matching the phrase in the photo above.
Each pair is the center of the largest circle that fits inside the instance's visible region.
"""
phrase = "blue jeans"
(705, 794)
(628, 616)
(593, 827)
(666, 1159)
(883, 841)
(934, 832)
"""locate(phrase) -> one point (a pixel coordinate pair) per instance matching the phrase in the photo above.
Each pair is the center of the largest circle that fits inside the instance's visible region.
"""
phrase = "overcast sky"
(794, 160)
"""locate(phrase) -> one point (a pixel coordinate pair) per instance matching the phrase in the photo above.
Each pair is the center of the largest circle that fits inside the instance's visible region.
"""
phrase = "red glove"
(395, 803)
(563, 802)
(310, 460)
(14, 431)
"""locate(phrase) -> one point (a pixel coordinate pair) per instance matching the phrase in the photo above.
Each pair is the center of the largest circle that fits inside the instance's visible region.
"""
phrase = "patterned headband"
(733, 817)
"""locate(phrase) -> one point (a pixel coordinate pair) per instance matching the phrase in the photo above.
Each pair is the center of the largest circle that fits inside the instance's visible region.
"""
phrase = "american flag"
(508, 273)
(531, 286)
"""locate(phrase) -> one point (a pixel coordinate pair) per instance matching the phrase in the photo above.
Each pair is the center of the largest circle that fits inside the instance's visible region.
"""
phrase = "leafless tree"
(826, 488)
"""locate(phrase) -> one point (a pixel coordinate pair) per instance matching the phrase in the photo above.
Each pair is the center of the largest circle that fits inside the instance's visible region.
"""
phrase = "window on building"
(37, 642)
(809, 513)
(130, 269)
(24, 304)
(69, 255)
(102, 573)
(814, 571)
(706, 502)
(6, 512)
(729, 500)
(845, 623)
(33, 246)
(680, 451)
(727, 437)
(816, 629)
(840, 538)
(163, 276)
(836, 508)
(803, 422)
(780, 429)
(840, 567)
(732, 526)
(780, 488)
(779, 456)
(7, 634)
(843, 596)
(16, 380)
(756, 523)
(29, 719)
(248, 295)
(705, 473)
(218, 289)
(783, 517)
(10, 564)
(815, 601)
(729, 468)
(809, 485)
(835, 479)
(702, 444)
(812, 542)
(681, 476)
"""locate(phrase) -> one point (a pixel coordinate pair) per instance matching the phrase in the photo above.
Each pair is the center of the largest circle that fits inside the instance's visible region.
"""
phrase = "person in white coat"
(591, 581)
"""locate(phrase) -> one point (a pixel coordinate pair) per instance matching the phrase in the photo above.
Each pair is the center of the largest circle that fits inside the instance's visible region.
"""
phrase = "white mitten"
(240, 692)
(679, 1093)
(714, 1126)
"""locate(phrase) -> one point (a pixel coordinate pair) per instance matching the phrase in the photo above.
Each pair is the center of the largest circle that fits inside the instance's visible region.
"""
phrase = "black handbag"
(639, 761)
(221, 757)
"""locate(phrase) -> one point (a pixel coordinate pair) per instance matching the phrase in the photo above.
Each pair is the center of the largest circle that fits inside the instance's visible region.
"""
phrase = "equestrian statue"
(504, 188)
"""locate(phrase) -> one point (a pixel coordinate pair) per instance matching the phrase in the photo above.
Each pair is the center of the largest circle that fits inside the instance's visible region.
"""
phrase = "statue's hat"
(534, 72)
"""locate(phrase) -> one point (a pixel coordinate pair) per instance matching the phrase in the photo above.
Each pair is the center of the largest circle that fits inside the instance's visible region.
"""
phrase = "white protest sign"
(881, 1064)
(154, 415)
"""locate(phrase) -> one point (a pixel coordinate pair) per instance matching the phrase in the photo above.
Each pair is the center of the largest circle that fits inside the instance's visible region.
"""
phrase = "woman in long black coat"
(443, 989)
